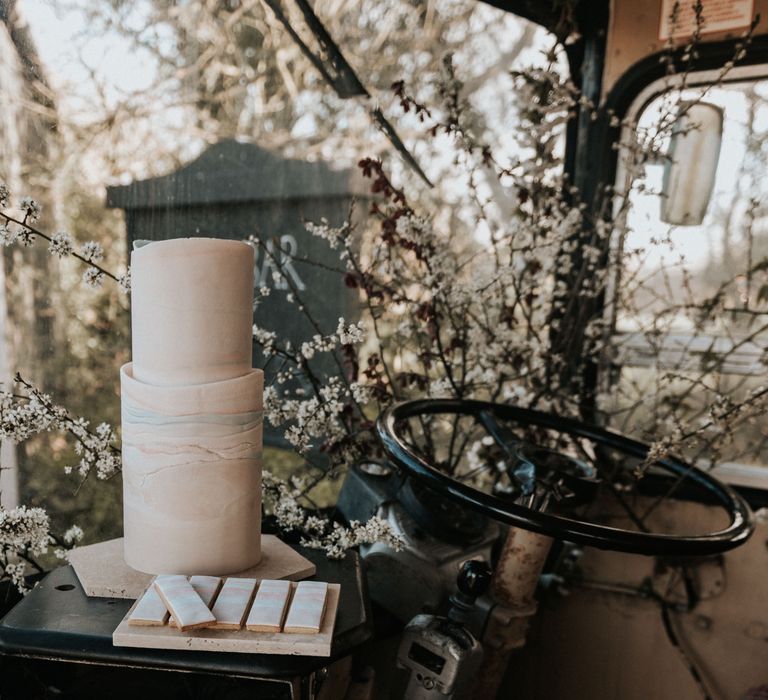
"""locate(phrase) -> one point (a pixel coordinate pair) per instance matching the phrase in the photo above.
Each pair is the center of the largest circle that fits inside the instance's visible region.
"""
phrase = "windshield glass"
(130, 121)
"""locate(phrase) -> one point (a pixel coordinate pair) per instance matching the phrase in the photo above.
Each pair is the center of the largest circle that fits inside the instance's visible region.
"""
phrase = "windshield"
(131, 121)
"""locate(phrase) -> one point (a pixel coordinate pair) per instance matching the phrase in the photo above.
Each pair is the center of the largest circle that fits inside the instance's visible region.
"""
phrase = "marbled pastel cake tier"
(192, 475)
(191, 311)
(192, 418)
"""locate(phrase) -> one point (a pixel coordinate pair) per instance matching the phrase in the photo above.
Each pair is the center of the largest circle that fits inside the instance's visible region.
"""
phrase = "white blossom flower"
(307, 350)
(297, 438)
(266, 339)
(7, 235)
(440, 387)
(93, 278)
(60, 244)
(92, 251)
(21, 419)
(282, 498)
(340, 538)
(31, 208)
(23, 531)
(24, 236)
(316, 525)
(74, 534)
(318, 343)
(361, 393)
(350, 334)
(5, 195)
(16, 573)
(124, 280)
(329, 233)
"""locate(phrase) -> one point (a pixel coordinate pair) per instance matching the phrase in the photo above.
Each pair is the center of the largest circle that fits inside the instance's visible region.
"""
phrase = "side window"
(691, 302)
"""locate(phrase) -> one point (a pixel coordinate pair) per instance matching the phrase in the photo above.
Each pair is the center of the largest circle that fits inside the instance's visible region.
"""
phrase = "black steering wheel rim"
(562, 527)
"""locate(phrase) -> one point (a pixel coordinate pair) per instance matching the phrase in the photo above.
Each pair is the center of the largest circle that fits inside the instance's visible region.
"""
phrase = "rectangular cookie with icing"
(207, 587)
(305, 614)
(233, 602)
(186, 606)
(269, 606)
(150, 611)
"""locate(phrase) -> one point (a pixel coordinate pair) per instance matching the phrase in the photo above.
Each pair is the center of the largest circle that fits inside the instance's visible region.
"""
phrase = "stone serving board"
(103, 573)
(242, 641)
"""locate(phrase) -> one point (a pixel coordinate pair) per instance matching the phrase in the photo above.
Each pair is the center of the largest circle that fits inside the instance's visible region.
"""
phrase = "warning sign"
(678, 17)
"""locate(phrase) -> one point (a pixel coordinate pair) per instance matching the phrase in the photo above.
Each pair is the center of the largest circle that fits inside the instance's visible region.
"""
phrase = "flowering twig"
(22, 416)
(25, 535)
(316, 532)
(59, 244)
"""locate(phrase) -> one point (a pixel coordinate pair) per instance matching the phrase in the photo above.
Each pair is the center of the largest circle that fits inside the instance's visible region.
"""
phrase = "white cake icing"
(192, 443)
(191, 311)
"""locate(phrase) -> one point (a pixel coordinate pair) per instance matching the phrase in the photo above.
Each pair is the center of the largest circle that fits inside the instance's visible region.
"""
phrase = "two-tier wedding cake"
(192, 411)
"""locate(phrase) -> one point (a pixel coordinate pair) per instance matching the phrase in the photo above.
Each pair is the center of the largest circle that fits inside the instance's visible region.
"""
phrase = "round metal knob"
(474, 578)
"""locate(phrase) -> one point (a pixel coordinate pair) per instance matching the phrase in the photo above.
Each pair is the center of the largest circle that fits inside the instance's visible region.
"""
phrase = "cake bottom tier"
(192, 475)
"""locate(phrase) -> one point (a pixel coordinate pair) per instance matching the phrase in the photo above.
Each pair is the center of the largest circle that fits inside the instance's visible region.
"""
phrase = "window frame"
(630, 350)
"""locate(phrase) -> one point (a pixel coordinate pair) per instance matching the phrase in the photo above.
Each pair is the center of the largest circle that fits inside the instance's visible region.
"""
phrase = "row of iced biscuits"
(207, 601)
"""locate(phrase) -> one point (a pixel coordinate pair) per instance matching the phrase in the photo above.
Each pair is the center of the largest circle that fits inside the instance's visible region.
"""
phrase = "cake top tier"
(191, 311)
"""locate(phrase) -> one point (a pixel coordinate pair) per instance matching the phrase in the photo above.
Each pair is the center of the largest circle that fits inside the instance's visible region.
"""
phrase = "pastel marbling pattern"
(192, 475)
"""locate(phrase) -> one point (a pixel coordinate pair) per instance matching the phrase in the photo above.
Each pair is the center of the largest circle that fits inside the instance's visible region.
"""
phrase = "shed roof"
(231, 171)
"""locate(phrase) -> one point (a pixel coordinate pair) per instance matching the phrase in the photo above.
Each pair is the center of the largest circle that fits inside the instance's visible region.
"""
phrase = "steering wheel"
(569, 474)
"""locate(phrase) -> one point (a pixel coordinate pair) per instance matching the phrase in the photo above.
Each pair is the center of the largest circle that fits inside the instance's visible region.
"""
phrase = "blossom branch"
(59, 244)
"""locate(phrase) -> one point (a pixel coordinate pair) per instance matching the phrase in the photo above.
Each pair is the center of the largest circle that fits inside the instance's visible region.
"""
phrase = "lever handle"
(474, 578)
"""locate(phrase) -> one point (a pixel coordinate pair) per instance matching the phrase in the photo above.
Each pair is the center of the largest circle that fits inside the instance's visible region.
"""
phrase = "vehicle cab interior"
(456, 308)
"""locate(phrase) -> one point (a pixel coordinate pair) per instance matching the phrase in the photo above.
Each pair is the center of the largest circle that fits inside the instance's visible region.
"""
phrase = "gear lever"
(473, 580)
(441, 654)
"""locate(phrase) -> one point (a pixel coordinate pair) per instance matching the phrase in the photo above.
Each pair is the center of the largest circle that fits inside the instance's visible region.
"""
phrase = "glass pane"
(150, 120)
(692, 315)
